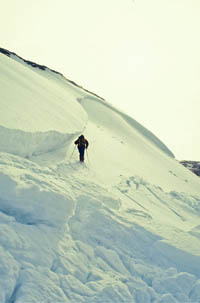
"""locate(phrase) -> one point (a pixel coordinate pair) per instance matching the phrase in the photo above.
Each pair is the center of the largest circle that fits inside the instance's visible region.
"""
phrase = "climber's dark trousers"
(81, 153)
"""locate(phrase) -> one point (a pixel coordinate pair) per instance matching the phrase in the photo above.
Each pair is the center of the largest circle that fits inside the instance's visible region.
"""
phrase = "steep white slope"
(118, 150)
(34, 108)
(123, 227)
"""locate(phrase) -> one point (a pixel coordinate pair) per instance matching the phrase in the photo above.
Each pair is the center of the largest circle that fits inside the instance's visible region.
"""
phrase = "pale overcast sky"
(142, 56)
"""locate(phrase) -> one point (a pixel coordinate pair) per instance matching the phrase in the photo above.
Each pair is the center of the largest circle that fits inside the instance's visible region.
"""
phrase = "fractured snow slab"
(37, 114)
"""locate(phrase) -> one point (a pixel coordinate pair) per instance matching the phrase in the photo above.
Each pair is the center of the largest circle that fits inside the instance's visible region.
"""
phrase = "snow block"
(195, 293)
(31, 200)
(9, 271)
(39, 285)
(26, 144)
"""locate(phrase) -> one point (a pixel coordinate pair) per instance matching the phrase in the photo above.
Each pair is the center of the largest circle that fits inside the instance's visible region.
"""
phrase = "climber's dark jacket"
(81, 143)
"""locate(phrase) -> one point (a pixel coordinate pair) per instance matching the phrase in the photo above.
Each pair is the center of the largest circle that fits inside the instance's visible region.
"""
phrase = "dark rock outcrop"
(194, 166)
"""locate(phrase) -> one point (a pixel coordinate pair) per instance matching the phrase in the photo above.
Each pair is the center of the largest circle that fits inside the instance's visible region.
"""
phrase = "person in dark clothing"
(81, 143)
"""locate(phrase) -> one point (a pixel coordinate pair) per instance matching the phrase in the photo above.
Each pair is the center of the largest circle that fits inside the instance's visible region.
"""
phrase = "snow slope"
(122, 227)
(33, 109)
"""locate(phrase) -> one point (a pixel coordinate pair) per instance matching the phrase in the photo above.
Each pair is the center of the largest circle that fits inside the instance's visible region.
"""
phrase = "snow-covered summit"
(122, 227)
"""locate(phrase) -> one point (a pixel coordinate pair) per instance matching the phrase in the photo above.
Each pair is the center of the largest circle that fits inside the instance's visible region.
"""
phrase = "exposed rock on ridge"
(194, 166)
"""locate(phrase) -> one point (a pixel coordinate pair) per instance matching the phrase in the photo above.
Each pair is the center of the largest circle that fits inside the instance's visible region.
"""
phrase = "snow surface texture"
(121, 227)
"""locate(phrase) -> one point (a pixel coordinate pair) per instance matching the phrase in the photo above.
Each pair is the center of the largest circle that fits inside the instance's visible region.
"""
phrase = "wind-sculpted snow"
(116, 114)
(38, 113)
(118, 141)
(123, 227)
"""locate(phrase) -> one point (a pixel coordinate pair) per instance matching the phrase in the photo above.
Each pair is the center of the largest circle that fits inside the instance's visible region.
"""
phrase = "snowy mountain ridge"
(122, 227)
(49, 74)
(41, 67)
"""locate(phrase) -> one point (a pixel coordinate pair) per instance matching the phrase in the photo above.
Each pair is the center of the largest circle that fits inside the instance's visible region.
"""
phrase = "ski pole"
(72, 152)
(87, 156)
